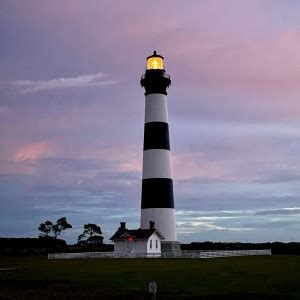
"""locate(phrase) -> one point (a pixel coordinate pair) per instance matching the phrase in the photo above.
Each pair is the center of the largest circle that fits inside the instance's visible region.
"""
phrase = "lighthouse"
(157, 199)
(157, 232)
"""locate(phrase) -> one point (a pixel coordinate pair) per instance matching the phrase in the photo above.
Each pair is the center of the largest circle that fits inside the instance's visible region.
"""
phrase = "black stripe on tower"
(156, 136)
(155, 81)
(157, 193)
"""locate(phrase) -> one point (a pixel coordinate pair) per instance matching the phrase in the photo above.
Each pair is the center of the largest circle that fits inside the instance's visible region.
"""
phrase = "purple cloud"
(80, 81)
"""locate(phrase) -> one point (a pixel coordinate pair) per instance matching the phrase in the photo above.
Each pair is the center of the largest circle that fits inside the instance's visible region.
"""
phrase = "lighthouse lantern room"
(155, 62)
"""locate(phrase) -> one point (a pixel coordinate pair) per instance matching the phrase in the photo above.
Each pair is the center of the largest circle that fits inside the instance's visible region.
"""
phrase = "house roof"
(137, 234)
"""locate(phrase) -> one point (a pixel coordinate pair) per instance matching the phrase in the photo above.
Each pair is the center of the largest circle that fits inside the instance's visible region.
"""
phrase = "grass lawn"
(260, 277)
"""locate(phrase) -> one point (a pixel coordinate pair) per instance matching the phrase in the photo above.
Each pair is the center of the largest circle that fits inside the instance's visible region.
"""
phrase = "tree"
(61, 225)
(91, 235)
(55, 230)
(45, 228)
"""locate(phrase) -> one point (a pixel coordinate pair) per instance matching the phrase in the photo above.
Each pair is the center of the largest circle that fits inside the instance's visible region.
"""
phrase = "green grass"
(231, 278)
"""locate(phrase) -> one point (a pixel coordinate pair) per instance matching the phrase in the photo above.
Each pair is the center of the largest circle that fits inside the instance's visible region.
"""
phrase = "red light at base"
(130, 239)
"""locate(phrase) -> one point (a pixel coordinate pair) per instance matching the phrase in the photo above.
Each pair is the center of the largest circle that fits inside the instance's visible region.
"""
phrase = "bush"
(30, 246)
(277, 248)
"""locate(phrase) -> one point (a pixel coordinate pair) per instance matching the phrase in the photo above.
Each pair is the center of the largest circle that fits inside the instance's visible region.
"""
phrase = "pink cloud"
(218, 59)
(195, 165)
(23, 159)
(35, 151)
(126, 158)
(238, 159)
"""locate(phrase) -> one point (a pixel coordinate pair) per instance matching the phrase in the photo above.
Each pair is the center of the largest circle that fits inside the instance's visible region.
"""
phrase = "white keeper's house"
(143, 242)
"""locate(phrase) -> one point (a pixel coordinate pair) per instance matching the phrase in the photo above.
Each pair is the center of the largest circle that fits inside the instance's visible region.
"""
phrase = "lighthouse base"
(170, 248)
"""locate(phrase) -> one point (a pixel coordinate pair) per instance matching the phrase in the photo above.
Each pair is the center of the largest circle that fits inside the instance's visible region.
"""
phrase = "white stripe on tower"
(156, 108)
(164, 221)
(157, 185)
(156, 164)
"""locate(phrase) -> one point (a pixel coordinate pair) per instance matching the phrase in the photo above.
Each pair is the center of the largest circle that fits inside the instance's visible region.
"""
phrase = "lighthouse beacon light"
(155, 62)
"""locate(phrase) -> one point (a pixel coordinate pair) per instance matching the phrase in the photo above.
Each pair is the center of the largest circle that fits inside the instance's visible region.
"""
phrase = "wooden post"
(152, 288)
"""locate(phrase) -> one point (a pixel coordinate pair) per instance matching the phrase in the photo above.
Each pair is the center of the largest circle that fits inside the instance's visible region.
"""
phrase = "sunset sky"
(72, 114)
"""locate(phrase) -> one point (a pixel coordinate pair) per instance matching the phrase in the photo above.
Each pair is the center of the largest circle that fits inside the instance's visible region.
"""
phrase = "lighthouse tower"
(157, 203)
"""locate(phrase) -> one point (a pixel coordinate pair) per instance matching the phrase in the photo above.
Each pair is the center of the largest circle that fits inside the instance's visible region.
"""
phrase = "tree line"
(91, 235)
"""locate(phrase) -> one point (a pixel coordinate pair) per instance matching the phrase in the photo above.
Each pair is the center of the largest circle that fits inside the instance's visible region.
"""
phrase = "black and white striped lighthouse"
(157, 185)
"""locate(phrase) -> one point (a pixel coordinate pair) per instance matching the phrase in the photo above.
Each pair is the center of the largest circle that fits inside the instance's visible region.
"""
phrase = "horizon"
(72, 115)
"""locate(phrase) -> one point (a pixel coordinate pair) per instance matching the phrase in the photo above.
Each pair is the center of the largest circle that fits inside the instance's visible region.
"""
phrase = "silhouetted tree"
(61, 225)
(45, 228)
(91, 235)
(55, 229)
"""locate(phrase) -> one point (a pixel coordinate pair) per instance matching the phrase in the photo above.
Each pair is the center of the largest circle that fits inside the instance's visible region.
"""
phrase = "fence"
(223, 253)
(182, 254)
(80, 255)
(101, 255)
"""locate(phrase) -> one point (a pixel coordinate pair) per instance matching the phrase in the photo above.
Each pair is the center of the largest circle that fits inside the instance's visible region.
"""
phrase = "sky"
(72, 115)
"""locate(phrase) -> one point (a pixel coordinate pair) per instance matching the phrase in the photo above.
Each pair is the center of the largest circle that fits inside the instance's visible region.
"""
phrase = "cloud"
(240, 156)
(283, 211)
(34, 151)
(237, 225)
(264, 64)
(3, 110)
(88, 80)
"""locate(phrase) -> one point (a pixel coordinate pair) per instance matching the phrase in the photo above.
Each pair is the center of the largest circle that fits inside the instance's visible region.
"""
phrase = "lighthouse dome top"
(155, 62)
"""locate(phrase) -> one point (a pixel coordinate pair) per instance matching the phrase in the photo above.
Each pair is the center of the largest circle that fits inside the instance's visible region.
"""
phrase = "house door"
(130, 245)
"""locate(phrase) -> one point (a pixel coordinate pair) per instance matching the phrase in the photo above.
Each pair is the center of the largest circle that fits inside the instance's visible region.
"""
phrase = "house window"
(156, 244)
(150, 244)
